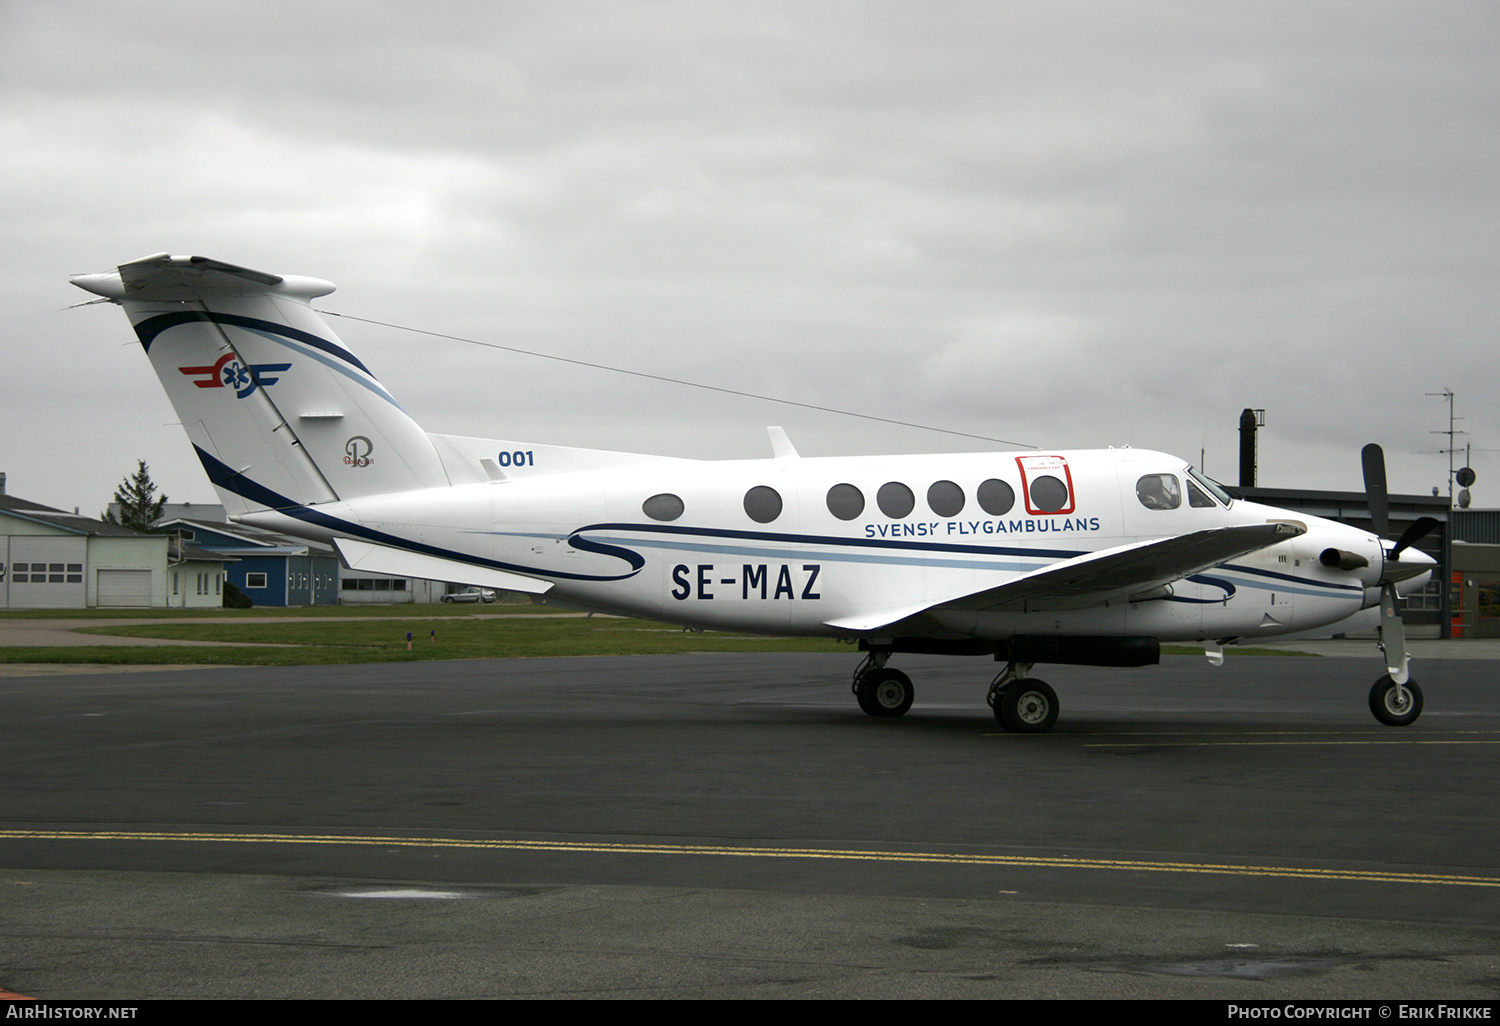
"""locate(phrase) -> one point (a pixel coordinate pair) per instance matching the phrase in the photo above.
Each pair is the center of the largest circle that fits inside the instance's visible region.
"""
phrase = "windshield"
(1213, 486)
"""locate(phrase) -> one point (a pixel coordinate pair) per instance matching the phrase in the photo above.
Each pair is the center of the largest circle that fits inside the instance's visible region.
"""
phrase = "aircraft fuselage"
(807, 568)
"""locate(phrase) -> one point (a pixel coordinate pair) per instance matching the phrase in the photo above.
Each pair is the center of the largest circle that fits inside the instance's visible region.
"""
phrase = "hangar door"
(46, 572)
(124, 588)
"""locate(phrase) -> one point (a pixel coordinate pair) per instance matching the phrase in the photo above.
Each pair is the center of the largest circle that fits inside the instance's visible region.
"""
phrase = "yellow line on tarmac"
(836, 854)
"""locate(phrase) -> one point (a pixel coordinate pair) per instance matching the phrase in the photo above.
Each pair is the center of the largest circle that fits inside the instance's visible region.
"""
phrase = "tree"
(139, 505)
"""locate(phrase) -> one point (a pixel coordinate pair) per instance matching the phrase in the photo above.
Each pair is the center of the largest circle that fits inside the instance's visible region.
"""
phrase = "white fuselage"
(806, 570)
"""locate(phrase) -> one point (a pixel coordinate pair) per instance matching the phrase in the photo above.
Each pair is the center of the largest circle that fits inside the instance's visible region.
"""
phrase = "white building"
(53, 559)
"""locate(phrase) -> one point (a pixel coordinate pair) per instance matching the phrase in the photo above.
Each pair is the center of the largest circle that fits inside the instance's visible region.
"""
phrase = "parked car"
(471, 595)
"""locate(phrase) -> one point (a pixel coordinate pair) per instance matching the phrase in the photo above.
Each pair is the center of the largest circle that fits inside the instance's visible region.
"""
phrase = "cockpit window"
(1159, 491)
(1211, 486)
(1197, 499)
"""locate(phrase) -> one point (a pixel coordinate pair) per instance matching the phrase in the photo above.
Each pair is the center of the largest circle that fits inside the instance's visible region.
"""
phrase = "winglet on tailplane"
(264, 386)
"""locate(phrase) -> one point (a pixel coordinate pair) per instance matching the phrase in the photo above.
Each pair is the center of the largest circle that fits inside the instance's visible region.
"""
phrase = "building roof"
(247, 541)
(70, 522)
(1344, 504)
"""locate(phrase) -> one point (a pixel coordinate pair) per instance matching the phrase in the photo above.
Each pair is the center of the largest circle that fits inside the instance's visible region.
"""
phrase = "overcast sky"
(1065, 224)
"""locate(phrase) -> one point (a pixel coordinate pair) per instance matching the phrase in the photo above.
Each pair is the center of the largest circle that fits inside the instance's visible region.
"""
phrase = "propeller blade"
(1413, 534)
(1373, 458)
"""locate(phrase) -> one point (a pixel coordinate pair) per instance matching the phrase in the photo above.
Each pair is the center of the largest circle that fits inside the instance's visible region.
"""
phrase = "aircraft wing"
(1097, 577)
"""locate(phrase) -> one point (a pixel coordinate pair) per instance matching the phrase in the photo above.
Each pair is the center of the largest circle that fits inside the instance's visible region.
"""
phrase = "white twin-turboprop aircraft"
(1087, 557)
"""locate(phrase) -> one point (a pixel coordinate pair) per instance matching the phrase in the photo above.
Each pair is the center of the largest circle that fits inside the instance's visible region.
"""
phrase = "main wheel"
(1394, 704)
(1027, 706)
(885, 692)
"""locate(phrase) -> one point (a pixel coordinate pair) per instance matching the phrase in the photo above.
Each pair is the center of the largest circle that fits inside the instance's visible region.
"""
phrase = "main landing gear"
(881, 690)
(1022, 704)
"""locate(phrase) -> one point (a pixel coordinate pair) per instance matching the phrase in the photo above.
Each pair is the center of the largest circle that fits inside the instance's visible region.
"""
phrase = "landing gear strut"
(1022, 704)
(880, 689)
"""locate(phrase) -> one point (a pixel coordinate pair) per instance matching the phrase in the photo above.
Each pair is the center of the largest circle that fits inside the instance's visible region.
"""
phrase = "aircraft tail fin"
(280, 411)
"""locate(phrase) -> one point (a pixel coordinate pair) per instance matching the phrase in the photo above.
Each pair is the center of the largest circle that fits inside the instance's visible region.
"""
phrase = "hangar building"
(53, 559)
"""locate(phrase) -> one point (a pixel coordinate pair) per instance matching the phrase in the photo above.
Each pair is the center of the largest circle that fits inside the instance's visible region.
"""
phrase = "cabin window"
(996, 497)
(895, 500)
(945, 498)
(1048, 494)
(762, 504)
(1159, 491)
(665, 506)
(846, 501)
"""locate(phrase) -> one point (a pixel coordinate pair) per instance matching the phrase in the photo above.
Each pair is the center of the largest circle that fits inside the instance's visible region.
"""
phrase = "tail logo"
(229, 372)
(357, 452)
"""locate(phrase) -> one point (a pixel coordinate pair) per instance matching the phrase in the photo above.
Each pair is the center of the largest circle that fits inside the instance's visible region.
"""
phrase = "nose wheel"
(1395, 705)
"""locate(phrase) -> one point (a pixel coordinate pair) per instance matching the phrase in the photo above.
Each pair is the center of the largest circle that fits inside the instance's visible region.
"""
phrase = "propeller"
(1392, 629)
(1413, 534)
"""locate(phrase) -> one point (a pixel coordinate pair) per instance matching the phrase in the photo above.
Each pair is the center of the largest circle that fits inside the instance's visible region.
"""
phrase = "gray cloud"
(1068, 224)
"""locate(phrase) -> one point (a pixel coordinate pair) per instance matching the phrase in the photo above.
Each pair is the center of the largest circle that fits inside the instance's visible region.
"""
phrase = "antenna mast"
(1447, 395)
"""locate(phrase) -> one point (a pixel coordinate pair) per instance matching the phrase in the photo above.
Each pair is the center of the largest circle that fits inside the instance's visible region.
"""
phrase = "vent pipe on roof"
(2, 484)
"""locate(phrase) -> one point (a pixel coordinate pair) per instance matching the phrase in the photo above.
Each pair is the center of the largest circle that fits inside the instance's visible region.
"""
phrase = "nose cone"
(1411, 572)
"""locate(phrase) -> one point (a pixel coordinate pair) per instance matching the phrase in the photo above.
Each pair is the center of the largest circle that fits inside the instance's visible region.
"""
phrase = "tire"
(1391, 706)
(1027, 706)
(885, 693)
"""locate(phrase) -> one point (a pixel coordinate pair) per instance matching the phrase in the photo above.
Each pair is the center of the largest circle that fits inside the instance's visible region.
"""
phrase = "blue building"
(271, 569)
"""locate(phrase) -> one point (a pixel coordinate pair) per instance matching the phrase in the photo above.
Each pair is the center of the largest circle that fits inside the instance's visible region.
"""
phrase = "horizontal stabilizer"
(383, 559)
(168, 278)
